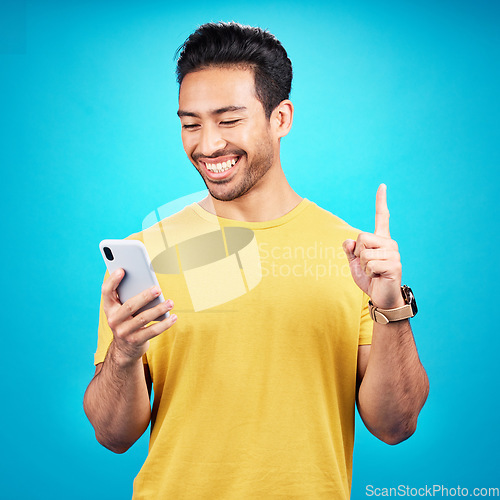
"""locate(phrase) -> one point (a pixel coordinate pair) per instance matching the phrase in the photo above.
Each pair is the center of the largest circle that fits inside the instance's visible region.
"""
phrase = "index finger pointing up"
(382, 212)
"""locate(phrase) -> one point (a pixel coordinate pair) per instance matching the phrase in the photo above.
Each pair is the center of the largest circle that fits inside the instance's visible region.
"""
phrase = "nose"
(211, 140)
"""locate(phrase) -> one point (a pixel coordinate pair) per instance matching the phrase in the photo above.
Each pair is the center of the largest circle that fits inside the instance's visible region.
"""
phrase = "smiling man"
(235, 147)
(255, 397)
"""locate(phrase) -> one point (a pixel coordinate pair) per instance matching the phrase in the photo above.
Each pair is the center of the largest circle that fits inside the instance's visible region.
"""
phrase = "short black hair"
(228, 44)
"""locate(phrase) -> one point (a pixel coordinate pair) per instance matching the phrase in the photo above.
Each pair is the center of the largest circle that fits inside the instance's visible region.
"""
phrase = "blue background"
(386, 91)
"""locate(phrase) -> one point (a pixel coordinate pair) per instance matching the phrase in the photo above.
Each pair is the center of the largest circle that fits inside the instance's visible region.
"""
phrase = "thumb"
(349, 246)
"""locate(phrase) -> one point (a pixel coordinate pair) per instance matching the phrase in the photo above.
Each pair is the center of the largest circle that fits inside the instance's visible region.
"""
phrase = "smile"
(221, 166)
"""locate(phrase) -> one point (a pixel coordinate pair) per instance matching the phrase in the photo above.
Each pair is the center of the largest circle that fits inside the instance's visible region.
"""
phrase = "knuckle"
(132, 340)
(105, 288)
(112, 322)
(120, 331)
(141, 319)
(128, 307)
(366, 255)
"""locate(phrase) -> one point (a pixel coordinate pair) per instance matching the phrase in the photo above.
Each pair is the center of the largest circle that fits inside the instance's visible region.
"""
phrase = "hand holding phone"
(133, 258)
(132, 297)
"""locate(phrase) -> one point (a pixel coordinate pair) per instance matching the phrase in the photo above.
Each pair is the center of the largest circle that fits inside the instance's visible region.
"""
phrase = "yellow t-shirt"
(254, 388)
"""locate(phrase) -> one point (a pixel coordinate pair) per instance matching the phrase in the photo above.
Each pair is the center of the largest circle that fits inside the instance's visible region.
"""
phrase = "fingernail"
(170, 303)
(174, 318)
(155, 291)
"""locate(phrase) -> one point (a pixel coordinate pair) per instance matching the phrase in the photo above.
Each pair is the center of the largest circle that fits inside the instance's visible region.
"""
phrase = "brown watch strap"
(384, 316)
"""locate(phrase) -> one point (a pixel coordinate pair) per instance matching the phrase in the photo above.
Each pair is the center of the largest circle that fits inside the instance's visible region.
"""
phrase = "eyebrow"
(219, 111)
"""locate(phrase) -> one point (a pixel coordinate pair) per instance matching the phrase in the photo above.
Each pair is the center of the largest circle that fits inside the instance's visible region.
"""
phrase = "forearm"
(117, 402)
(394, 386)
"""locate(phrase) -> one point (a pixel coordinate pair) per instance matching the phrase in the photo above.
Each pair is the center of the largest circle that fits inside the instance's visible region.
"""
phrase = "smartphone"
(133, 258)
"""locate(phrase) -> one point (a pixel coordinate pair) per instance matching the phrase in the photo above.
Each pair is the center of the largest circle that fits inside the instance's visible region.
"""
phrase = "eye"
(190, 126)
(230, 122)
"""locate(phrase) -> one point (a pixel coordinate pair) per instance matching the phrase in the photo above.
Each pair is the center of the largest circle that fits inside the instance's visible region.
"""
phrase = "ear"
(282, 118)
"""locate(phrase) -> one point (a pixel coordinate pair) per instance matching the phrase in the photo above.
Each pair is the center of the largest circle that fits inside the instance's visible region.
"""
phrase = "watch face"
(409, 298)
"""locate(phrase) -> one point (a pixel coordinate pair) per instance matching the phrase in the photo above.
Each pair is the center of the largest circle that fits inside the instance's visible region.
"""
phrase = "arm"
(114, 395)
(392, 383)
(117, 400)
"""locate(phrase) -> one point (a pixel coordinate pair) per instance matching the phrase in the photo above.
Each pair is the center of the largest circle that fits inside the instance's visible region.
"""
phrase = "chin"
(224, 196)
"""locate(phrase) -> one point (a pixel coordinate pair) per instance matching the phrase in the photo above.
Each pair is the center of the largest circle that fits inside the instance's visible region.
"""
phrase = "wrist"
(406, 310)
(122, 360)
(393, 304)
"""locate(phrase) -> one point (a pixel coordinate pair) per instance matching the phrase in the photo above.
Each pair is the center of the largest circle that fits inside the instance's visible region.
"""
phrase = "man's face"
(224, 130)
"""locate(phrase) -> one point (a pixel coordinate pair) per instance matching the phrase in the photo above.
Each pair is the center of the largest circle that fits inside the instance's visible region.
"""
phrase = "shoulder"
(322, 219)
(169, 231)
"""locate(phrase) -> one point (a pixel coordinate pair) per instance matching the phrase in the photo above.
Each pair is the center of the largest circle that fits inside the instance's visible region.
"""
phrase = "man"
(254, 396)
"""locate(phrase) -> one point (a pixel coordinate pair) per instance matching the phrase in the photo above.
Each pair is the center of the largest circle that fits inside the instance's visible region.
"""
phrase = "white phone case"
(133, 258)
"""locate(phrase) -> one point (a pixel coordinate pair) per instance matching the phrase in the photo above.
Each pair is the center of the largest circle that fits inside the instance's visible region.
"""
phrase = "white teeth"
(221, 167)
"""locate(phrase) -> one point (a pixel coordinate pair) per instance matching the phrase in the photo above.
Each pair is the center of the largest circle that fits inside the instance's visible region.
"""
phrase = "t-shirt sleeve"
(365, 324)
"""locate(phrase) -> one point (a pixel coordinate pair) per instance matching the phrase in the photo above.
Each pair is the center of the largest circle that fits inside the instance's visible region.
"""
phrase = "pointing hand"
(374, 259)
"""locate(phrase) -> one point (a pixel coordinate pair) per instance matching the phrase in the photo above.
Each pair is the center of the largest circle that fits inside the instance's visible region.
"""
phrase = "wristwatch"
(384, 316)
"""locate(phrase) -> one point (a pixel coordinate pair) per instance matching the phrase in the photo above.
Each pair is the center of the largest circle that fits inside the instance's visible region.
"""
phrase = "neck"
(271, 198)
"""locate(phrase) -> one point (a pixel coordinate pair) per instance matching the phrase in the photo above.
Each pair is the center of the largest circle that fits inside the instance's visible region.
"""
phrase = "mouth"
(219, 168)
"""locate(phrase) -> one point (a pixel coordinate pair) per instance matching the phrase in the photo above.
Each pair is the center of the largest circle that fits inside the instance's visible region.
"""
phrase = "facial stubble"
(255, 171)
